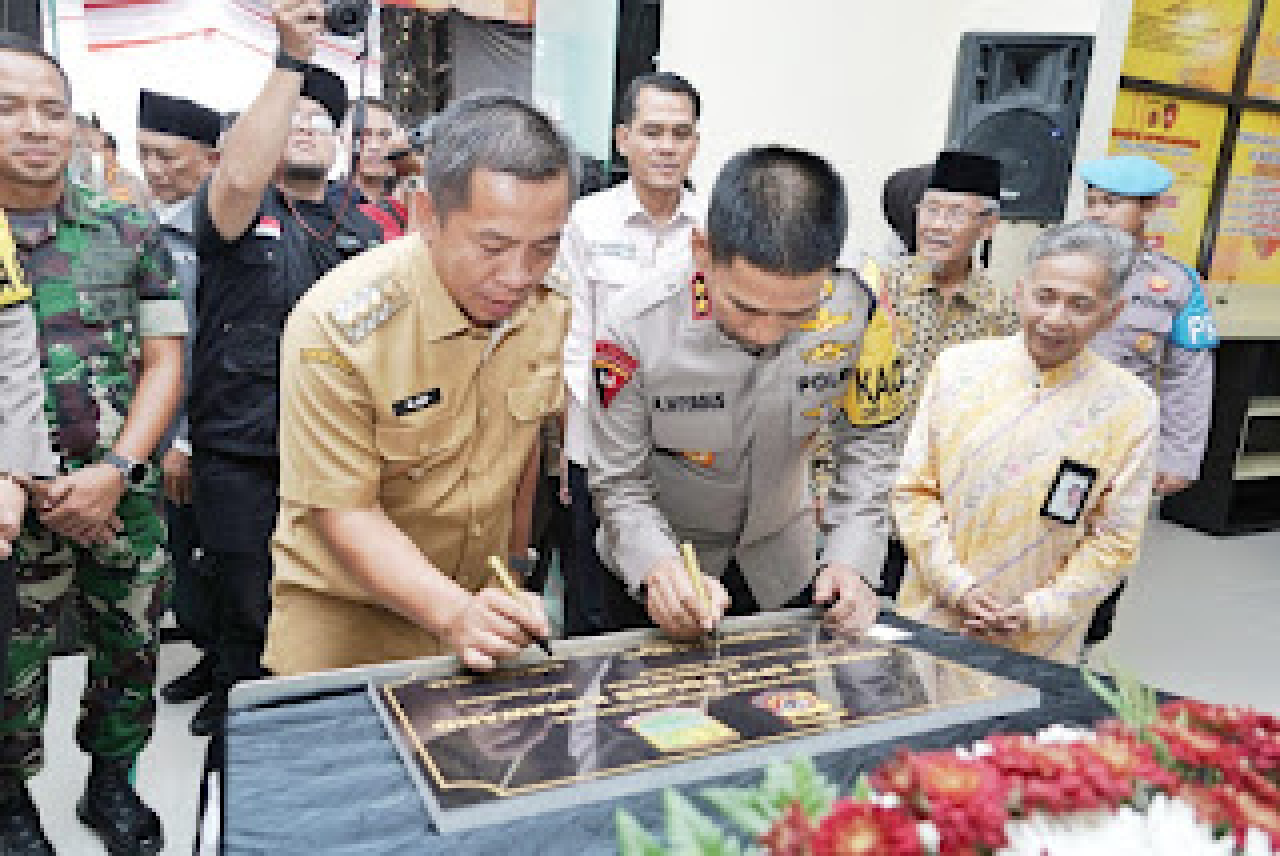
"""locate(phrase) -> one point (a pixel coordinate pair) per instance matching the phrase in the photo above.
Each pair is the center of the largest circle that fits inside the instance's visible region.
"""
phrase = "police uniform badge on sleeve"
(1194, 328)
(876, 396)
(612, 368)
(365, 309)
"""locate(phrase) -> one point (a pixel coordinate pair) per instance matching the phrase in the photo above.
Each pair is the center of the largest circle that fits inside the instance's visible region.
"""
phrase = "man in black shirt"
(267, 226)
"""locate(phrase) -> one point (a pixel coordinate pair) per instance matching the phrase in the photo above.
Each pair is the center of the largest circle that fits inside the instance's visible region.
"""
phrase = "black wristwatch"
(288, 63)
(134, 472)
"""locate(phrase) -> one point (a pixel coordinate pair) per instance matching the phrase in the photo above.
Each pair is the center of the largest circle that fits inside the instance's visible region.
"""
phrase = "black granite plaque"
(644, 715)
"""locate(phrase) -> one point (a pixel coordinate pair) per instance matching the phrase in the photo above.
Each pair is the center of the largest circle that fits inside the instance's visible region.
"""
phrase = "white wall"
(223, 69)
(866, 84)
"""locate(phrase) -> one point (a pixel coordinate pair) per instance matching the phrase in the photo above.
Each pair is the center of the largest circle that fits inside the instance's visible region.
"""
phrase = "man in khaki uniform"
(711, 396)
(414, 379)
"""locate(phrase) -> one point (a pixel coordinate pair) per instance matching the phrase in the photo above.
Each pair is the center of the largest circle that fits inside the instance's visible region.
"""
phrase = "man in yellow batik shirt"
(1024, 484)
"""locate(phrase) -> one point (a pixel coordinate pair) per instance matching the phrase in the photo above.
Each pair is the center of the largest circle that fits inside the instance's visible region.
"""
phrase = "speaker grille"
(1033, 156)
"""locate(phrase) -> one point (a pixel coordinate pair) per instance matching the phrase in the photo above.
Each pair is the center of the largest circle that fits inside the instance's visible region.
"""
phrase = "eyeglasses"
(316, 123)
(952, 215)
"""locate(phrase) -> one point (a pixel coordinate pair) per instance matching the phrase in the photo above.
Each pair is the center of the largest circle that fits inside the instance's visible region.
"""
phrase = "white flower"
(1168, 826)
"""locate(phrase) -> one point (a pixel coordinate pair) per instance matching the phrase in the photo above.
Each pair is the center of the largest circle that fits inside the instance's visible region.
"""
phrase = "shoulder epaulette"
(362, 311)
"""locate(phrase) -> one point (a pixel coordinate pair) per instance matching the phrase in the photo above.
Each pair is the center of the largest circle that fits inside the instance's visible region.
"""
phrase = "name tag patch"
(688, 403)
(614, 249)
(414, 403)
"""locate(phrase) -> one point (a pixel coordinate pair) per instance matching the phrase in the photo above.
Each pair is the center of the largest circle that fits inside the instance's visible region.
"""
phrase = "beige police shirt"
(390, 397)
(696, 439)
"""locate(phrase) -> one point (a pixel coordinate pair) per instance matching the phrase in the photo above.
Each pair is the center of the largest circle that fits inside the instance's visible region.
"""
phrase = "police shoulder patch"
(368, 307)
(876, 395)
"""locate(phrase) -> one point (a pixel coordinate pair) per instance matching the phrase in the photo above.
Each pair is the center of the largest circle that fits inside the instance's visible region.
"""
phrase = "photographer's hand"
(252, 149)
(299, 24)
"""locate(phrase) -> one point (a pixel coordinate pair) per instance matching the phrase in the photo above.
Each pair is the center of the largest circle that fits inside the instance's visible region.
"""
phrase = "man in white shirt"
(634, 235)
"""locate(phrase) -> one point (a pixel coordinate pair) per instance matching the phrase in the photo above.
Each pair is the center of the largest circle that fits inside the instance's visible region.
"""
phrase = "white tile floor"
(1200, 619)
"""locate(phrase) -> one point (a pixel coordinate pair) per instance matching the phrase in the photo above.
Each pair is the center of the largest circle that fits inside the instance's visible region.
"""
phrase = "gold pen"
(695, 577)
(500, 571)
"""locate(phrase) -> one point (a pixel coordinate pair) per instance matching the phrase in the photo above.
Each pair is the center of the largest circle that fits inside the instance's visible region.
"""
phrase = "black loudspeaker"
(1017, 98)
(22, 16)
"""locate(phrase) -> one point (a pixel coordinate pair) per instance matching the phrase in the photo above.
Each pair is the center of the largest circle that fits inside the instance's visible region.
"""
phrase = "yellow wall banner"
(1247, 250)
(1185, 136)
(1264, 81)
(1189, 44)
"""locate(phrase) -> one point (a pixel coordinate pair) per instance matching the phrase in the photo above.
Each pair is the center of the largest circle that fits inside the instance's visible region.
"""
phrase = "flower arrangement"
(1184, 777)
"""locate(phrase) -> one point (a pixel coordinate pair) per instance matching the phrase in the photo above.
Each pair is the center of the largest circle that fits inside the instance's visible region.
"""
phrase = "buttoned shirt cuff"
(167, 317)
(335, 496)
(861, 550)
(643, 550)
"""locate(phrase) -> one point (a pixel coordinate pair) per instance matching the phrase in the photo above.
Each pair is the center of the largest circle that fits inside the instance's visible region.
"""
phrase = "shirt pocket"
(415, 454)
(1146, 331)
(692, 420)
(537, 397)
(251, 349)
(104, 267)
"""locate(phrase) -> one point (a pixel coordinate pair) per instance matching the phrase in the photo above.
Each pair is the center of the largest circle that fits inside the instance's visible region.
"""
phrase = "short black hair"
(21, 44)
(663, 80)
(110, 139)
(780, 209)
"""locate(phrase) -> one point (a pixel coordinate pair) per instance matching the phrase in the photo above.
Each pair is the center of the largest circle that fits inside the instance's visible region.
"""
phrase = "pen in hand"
(695, 579)
(500, 571)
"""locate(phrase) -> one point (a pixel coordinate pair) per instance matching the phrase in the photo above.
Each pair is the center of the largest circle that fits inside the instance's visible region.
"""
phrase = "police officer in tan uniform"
(1165, 334)
(711, 395)
(414, 379)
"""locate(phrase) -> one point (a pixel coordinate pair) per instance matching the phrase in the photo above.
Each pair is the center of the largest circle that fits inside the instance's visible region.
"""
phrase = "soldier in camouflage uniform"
(110, 325)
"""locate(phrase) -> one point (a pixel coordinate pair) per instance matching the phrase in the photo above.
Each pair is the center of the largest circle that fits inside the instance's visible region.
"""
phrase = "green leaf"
(744, 807)
(633, 839)
(691, 833)
(862, 788)
(1104, 692)
(812, 790)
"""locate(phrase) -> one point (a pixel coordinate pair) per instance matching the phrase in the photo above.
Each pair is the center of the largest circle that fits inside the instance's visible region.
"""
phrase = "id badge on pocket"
(1070, 491)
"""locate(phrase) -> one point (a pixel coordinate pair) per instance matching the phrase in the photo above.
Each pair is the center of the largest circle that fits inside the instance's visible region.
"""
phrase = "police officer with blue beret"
(1165, 334)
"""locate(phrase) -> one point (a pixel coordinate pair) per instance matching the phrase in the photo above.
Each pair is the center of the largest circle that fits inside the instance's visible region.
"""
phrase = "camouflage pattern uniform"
(102, 280)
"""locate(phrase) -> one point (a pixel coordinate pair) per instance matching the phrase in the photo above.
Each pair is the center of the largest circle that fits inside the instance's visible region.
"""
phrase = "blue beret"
(1127, 175)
